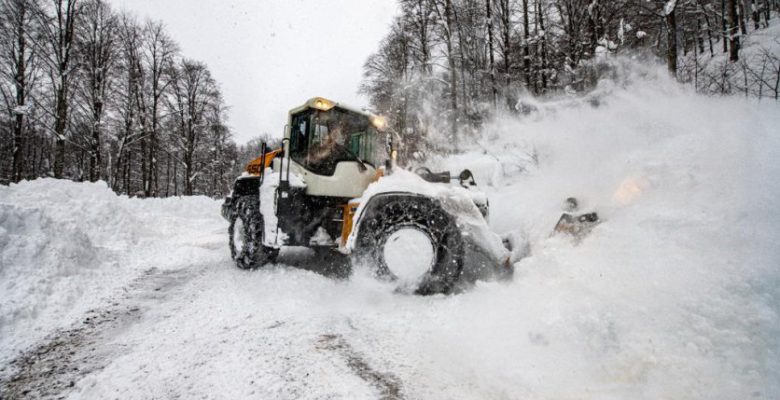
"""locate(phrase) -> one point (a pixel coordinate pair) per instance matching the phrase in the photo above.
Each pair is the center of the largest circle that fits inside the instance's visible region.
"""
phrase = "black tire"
(393, 212)
(246, 235)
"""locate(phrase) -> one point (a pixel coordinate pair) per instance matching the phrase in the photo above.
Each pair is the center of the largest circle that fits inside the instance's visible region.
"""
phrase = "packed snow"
(65, 247)
(675, 294)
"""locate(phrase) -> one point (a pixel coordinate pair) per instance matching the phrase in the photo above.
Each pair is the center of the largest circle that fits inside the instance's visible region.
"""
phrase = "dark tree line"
(91, 94)
(446, 65)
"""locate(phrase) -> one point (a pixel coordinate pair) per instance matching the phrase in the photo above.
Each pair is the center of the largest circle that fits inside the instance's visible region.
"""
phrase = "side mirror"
(466, 179)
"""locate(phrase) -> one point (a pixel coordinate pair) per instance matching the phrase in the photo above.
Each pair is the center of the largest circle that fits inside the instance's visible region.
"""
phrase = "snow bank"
(64, 246)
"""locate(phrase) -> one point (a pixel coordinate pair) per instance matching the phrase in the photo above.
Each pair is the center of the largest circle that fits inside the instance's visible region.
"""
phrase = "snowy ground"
(676, 294)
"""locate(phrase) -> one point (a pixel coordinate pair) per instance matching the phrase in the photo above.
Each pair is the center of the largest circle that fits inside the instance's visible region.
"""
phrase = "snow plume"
(676, 294)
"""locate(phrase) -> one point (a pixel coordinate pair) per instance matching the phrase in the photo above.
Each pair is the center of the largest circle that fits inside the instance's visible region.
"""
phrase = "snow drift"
(64, 246)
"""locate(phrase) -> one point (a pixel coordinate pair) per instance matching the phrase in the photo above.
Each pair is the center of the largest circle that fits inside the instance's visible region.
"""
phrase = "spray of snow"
(681, 278)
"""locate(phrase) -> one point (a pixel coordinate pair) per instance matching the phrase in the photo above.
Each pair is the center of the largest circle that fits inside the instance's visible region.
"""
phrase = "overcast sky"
(271, 55)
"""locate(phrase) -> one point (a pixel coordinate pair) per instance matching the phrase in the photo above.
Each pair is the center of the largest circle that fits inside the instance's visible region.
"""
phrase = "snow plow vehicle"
(334, 184)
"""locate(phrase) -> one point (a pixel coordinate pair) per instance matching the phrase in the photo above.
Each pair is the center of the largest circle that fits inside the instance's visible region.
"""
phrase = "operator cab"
(334, 148)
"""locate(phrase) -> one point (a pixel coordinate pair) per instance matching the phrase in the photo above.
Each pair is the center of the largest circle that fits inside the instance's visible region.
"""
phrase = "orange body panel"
(346, 227)
(256, 166)
(351, 208)
(380, 172)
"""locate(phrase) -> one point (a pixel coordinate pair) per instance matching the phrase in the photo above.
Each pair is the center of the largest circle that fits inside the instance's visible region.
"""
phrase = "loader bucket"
(576, 225)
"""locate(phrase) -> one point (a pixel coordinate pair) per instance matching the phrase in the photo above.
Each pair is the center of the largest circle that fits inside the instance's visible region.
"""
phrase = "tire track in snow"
(51, 369)
(389, 385)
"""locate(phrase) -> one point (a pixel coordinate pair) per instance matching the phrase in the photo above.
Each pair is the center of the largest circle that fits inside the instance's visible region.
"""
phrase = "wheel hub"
(409, 254)
(238, 235)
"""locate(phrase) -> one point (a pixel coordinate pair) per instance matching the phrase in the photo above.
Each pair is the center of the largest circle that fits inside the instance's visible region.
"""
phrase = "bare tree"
(58, 22)
(98, 51)
(194, 94)
(158, 52)
(84, 94)
(18, 71)
(447, 32)
(129, 87)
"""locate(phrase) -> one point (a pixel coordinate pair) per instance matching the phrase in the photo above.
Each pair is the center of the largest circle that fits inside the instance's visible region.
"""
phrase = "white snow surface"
(676, 294)
(64, 247)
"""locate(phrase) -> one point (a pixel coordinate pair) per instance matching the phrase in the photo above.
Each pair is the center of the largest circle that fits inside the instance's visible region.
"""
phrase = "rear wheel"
(412, 241)
(246, 232)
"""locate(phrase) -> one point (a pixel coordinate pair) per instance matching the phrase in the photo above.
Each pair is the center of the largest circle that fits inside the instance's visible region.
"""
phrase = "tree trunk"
(188, 173)
(128, 172)
(543, 42)
(709, 32)
(699, 37)
(17, 172)
(175, 177)
(767, 13)
(594, 19)
(167, 175)
(153, 145)
(144, 172)
(453, 75)
(671, 41)
(725, 33)
(116, 173)
(63, 44)
(463, 48)
(741, 17)
(505, 30)
(18, 163)
(60, 124)
(752, 9)
(526, 50)
(493, 88)
(95, 159)
(733, 31)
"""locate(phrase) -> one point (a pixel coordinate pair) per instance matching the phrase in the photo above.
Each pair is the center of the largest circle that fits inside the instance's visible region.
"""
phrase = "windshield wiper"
(361, 163)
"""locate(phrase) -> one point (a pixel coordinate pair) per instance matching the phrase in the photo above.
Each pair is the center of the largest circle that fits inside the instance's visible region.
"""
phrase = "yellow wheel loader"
(335, 184)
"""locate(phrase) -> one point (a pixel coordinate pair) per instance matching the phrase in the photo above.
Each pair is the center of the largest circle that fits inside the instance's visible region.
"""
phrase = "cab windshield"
(321, 139)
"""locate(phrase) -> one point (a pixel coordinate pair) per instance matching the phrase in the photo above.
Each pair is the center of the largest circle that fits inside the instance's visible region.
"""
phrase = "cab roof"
(321, 103)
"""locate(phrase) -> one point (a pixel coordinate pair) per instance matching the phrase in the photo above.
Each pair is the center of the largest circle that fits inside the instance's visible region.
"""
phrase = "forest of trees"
(91, 94)
(446, 65)
(88, 93)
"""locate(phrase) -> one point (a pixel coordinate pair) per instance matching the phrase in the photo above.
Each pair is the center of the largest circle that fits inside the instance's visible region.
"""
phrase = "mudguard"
(485, 253)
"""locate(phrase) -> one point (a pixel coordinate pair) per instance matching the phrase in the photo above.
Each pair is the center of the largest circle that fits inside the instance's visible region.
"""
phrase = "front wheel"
(412, 241)
(246, 232)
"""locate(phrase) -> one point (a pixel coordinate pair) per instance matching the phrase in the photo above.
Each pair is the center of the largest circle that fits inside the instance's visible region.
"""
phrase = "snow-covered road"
(676, 294)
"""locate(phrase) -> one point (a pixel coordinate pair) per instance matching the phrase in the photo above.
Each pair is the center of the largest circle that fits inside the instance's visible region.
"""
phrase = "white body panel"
(346, 181)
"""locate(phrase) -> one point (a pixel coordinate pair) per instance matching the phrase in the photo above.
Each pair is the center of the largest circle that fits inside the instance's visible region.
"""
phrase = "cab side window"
(299, 136)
